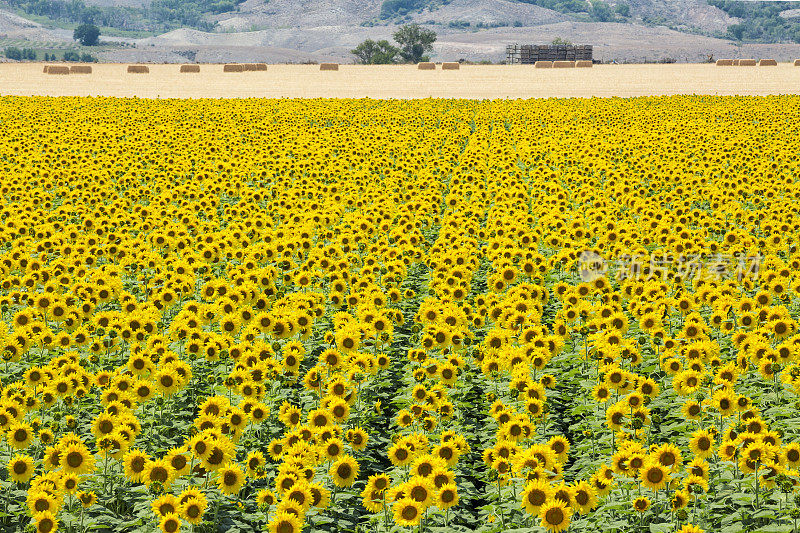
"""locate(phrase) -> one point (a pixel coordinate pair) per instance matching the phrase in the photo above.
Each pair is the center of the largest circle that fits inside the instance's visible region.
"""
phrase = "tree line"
(413, 41)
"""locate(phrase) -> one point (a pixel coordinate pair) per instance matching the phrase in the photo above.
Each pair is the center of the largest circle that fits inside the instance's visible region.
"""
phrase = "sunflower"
(320, 496)
(170, 523)
(400, 455)
(641, 504)
(20, 435)
(284, 522)
(535, 495)
(165, 504)
(265, 498)
(158, 471)
(447, 496)
(87, 499)
(40, 501)
(791, 453)
(407, 512)
(669, 456)
(584, 497)
(134, 462)
(420, 489)
(231, 479)
(20, 468)
(46, 522)
(69, 483)
(344, 471)
(357, 438)
(555, 516)
(76, 459)
(679, 500)
(193, 508)
(301, 494)
(690, 528)
(654, 476)
(52, 458)
(702, 443)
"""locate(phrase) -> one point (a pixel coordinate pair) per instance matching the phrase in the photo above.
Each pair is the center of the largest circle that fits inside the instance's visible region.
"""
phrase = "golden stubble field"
(355, 81)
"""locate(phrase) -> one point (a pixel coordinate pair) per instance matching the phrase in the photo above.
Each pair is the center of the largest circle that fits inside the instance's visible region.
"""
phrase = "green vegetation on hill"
(159, 15)
(394, 8)
(595, 9)
(761, 21)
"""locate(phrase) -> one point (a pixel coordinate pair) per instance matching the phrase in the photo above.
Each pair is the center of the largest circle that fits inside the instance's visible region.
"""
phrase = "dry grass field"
(351, 81)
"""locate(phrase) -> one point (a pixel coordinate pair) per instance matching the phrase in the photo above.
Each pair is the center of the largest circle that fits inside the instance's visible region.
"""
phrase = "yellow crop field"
(404, 81)
(390, 315)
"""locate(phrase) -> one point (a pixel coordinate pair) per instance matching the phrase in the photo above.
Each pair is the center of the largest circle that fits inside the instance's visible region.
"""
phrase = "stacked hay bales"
(80, 69)
(563, 64)
(59, 70)
(138, 69)
(426, 65)
(329, 66)
(735, 63)
(797, 62)
(724, 62)
(255, 67)
(747, 62)
(451, 66)
(767, 63)
(233, 67)
(190, 69)
(583, 63)
(543, 64)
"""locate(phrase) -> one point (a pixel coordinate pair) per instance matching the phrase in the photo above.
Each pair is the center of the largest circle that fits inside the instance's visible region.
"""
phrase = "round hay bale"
(451, 66)
(563, 64)
(724, 62)
(543, 64)
(329, 66)
(767, 63)
(80, 69)
(426, 65)
(797, 62)
(747, 62)
(58, 70)
(233, 67)
(138, 69)
(583, 63)
(190, 69)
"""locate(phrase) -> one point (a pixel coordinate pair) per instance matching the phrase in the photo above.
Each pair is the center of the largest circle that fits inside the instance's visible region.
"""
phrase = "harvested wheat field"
(352, 81)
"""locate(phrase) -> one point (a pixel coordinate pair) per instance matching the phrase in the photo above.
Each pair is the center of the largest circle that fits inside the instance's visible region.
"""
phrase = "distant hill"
(314, 30)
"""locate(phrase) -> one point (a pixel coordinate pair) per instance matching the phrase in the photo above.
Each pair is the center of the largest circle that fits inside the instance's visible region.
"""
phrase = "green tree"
(601, 11)
(12, 52)
(72, 55)
(736, 31)
(623, 10)
(414, 41)
(376, 53)
(87, 34)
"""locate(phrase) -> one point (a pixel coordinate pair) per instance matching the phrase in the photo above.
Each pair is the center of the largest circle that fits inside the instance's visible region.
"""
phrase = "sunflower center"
(344, 471)
(409, 512)
(554, 516)
(536, 497)
(74, 459)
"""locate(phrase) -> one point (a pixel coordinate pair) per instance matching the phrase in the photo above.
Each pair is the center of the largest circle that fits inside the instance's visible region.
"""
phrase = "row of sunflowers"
(360, 315)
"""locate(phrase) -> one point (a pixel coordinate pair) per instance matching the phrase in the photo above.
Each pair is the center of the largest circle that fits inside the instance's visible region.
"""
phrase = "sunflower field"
(374, 316)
